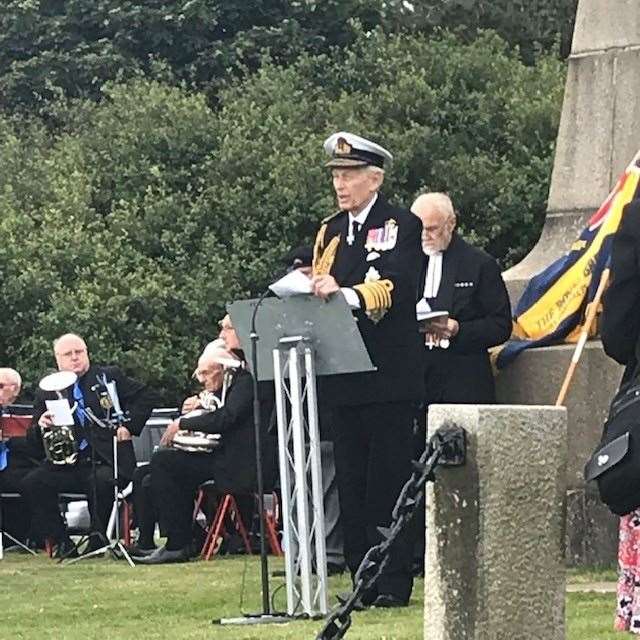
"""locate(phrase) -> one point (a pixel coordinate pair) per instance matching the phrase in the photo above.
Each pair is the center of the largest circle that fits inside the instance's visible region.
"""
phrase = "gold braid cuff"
(323, 257)
(376, 296)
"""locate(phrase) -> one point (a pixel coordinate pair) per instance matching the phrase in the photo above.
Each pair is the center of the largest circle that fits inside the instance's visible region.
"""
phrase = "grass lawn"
(105, 599)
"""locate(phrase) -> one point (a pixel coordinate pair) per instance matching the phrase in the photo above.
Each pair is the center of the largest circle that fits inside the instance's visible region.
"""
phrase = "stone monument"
(494, 563)
(598, 137)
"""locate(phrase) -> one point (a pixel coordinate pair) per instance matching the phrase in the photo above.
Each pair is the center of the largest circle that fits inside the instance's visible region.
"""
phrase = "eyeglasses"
(72, 352)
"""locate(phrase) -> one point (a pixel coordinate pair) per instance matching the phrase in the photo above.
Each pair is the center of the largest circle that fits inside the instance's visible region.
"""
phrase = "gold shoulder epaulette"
(332, 216)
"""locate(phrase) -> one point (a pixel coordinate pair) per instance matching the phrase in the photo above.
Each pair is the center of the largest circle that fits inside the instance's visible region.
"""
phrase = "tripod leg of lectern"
(300, 466)
(321, 601)
(290, 544)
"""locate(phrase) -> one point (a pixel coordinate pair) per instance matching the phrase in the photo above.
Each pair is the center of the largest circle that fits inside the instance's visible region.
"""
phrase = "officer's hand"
(123, 434)
(324, 286)
(448, 331)
(169, 433)
(190, 404)
(46, 420)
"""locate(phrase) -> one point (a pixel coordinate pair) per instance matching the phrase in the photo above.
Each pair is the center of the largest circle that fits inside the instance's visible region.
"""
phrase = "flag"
(551, 308)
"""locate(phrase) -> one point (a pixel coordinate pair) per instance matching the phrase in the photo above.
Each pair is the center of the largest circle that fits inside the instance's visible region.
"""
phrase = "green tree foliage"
(149, 210)
(531, 25)
(55, 48)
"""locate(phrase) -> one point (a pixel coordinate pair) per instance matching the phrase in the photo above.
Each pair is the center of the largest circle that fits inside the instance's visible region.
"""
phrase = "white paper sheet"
(61, 412)
(294, 283)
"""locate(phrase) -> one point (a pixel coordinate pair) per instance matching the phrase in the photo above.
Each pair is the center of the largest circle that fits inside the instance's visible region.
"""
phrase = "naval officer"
(368, 252)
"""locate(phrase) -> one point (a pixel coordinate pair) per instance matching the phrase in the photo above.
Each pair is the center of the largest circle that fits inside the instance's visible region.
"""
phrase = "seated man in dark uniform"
(176, 474)
(16, 459)
(42, 485)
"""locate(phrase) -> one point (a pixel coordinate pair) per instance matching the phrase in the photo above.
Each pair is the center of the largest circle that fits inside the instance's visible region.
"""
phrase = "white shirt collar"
(433, 276)
(362, 216)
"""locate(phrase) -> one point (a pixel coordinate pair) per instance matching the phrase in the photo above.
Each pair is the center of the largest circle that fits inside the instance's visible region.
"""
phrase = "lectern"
(300, 338)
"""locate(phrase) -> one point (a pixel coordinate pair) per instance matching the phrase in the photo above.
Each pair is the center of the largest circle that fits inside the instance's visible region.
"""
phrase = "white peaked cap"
(349, 150)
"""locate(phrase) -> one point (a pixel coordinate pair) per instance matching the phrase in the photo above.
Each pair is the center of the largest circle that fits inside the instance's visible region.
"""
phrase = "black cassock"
(474, 294)
(42, 485)
(372, 412)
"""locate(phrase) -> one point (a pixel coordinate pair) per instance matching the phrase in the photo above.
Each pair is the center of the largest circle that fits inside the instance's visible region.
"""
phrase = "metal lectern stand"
(300, 338)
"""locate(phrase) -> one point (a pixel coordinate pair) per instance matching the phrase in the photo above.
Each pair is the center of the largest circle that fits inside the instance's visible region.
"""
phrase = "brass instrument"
(59, 441)
(198, 441)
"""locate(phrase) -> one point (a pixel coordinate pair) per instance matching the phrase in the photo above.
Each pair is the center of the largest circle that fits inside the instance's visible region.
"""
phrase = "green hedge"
(148, 211)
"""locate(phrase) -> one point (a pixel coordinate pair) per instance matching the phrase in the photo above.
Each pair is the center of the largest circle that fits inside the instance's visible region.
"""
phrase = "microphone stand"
(113, 546)
(94, 517)
(265, 616)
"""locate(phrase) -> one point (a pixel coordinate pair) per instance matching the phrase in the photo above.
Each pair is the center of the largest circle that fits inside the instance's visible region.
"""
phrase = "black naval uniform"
(372, 419)
(41, 486)
(621, 301)
(474, 294)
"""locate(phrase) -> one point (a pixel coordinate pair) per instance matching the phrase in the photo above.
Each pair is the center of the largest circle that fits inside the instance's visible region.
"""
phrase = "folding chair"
(228, 512)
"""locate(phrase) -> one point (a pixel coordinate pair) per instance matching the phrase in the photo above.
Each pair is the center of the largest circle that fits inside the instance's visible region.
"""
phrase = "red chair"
(228, 513)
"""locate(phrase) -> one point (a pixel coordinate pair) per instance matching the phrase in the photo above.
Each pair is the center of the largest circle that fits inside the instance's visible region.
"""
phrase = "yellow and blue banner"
(551, 309)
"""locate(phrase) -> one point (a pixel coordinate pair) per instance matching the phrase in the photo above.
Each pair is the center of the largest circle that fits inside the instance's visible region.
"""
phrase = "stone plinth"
(535, 378)
(494, 566)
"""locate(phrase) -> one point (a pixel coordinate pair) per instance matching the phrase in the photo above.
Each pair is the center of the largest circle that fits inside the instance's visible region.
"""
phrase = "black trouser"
(15, 516)
(42, 486)
(175, 478)
(144, 506)
(373, 451)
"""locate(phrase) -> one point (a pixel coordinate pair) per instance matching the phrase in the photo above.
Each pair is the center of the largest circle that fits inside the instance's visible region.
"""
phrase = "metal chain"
(446, 447)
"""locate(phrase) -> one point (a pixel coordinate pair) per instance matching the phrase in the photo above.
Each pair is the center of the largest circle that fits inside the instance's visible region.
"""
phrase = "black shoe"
(164, 556)
(136, 551)
(358, 605)
(389, 601)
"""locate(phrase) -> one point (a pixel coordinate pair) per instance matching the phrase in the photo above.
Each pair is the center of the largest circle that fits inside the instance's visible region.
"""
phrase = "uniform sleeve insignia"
(376, 294)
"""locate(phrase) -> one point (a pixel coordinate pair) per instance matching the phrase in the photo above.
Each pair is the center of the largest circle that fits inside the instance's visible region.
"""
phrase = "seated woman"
(176, 474)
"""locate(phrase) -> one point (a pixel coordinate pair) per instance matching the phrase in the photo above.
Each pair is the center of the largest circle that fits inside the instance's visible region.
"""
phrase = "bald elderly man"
(467, 283)
(41, 486)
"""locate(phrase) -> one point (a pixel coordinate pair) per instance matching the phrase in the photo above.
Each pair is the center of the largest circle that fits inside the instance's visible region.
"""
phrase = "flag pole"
(584, 334)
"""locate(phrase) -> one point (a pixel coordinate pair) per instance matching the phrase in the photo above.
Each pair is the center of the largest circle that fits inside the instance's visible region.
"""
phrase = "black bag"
(615, 465)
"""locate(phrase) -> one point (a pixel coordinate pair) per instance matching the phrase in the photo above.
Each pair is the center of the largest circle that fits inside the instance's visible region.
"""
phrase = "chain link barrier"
(447, 447)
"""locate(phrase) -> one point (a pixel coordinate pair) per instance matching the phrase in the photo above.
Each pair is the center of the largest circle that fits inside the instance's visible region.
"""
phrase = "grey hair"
(373, 169)
(12, 374)
(438, 200)
(64, 336)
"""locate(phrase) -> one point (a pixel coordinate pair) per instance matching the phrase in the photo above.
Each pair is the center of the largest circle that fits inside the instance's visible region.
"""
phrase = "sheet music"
(60, 411)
